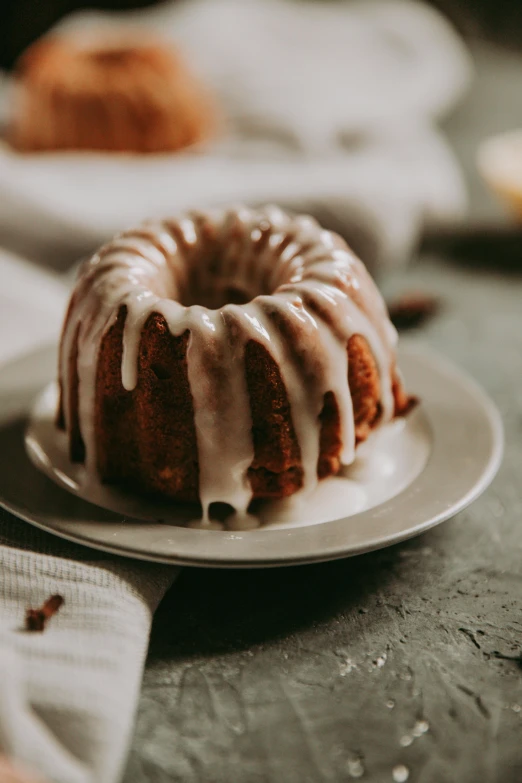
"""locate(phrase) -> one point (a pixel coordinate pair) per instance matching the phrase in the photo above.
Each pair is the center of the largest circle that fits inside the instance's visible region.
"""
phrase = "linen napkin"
(68, 695)
(330, 108)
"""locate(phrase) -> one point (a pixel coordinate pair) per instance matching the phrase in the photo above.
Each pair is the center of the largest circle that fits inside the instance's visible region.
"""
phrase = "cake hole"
(217, 295)
(234, 270)
(236, 296)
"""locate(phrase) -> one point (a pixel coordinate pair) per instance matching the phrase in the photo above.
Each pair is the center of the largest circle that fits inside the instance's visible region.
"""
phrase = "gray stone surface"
(329, 672)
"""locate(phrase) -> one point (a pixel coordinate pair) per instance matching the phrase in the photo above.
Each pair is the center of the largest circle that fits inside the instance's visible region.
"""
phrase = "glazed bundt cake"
(225, 356)
(107, 94)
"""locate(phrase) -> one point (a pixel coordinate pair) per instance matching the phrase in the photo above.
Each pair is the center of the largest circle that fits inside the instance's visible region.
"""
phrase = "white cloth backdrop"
(331, 108)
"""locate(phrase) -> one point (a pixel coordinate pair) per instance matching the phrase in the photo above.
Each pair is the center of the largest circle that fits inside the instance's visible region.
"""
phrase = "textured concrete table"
(400, 665)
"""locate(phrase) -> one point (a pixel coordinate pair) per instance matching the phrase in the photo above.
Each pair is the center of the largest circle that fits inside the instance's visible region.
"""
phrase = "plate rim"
(408, 352)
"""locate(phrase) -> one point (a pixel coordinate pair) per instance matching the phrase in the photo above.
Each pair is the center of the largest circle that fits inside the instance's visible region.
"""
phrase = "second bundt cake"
(225, 356)
(107, 93)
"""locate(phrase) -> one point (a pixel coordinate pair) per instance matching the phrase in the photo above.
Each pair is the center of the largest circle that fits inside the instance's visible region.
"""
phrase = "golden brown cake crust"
(138, 433)
(132, 94)
(147, 436)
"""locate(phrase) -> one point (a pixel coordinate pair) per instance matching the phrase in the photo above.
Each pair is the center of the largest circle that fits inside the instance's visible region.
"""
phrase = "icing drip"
(221, 409)
(302, 295)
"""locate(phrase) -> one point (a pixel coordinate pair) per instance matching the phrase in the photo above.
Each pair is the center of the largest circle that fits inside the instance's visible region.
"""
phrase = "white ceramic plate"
(408, 478)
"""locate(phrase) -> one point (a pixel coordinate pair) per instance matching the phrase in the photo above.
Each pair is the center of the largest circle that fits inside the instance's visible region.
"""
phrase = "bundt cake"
(130, 94)
(225, 356)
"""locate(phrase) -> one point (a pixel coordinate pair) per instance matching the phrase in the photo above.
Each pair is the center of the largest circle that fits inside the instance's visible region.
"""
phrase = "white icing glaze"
(288, 270)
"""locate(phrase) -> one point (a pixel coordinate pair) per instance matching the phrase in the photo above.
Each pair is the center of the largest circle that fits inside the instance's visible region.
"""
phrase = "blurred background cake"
(107, 92)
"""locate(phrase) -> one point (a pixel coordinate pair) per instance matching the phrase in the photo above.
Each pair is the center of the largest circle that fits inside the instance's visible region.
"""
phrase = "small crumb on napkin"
(36, 619)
